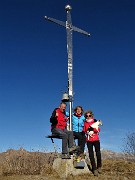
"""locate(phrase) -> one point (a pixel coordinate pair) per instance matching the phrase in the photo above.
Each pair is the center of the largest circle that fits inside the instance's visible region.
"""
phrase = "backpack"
(53, 118)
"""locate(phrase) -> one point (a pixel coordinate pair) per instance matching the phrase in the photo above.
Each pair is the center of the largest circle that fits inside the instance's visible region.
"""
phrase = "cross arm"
(80, 31)
(61, 23)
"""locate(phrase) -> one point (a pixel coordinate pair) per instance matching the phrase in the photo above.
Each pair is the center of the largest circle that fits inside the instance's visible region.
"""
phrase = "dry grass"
(22, 162)
(23, 165)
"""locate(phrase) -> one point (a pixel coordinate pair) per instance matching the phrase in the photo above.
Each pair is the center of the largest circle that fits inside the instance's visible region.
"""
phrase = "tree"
(129, 145)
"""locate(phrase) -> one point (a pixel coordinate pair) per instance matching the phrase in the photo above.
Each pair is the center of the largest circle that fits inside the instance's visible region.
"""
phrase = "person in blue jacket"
(78, 124)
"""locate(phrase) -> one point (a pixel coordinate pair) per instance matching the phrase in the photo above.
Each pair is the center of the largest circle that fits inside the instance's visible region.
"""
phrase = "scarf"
(90, 120)
(78, 115)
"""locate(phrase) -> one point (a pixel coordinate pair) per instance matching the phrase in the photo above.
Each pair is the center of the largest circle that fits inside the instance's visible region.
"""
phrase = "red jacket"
(94, 136)
(59, 121)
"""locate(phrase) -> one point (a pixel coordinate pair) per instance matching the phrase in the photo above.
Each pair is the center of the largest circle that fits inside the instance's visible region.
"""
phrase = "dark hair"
(80, 108)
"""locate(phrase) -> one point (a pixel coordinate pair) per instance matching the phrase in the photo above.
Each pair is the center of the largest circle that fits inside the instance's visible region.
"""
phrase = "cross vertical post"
(69, 28)
(70, 63)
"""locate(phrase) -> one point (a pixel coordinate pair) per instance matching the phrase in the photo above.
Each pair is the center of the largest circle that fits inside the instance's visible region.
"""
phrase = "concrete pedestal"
(65, 167)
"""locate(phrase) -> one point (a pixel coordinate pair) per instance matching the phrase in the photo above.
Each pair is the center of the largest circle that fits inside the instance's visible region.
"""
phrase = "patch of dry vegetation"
(119, 168)
(22, 162)
(23, 165)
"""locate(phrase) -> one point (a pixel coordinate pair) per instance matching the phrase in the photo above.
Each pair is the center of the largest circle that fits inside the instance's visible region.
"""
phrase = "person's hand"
(67, 118)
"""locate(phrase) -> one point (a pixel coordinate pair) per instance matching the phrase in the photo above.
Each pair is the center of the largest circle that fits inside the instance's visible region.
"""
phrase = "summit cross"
(69, 28)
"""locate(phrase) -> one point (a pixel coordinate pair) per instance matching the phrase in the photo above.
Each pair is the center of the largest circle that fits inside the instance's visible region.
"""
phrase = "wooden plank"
(53, 136)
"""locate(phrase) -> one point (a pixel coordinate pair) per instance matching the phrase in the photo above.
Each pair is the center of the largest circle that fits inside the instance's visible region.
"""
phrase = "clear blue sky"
(33, 68)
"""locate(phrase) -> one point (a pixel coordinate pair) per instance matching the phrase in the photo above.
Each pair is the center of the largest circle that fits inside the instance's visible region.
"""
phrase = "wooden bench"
(53, 136)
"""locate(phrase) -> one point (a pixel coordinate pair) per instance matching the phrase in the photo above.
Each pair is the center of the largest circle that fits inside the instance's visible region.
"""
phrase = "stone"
(65, 167)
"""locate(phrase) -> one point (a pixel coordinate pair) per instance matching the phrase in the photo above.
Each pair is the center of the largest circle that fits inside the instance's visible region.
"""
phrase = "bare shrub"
(129, 146)
(24, 162)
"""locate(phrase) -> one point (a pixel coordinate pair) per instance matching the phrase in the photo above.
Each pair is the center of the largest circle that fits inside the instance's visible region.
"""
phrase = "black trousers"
(80, 136)
(96, 145)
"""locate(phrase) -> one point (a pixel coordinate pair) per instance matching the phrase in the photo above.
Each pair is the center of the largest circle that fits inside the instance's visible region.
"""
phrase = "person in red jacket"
(92, 141)
(58, 128)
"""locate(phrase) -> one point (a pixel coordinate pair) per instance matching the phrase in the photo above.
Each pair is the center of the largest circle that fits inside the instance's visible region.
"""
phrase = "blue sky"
(33, 68)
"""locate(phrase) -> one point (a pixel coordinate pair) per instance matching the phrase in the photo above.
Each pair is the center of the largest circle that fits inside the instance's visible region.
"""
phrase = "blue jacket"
(78, 123)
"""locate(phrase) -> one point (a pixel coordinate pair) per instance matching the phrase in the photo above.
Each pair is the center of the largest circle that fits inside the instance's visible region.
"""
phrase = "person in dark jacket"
(78, 124)
(58, 127)
(93, 141)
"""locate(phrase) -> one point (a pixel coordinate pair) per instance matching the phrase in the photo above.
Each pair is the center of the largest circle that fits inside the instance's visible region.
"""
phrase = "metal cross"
(69, 28)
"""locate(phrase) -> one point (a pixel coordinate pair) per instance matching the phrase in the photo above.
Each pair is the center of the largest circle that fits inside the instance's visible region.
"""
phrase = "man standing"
(58, 127)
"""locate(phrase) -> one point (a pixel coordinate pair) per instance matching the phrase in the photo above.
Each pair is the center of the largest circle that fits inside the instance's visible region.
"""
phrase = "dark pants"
(96, 145)
(81, 140)
(67, 138)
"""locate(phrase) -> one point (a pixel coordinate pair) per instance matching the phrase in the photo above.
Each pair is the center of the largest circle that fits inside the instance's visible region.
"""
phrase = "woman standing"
(78, 124)
(93, 141)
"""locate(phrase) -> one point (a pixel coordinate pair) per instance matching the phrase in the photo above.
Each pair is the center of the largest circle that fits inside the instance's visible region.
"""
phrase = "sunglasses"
(88, 115)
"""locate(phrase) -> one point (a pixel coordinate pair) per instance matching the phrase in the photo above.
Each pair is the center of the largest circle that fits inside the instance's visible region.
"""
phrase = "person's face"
(62, 107)
(89, 116)
(78, 110)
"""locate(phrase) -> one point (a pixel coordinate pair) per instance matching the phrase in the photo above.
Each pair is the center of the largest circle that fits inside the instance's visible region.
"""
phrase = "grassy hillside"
(23, 165)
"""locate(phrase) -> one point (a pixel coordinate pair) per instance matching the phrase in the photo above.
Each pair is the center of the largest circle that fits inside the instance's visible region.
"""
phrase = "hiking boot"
(82, 155)
(95, 172)
(73, 148)
(65, 156)
(99, 170)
